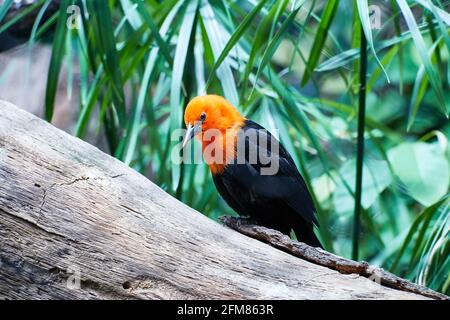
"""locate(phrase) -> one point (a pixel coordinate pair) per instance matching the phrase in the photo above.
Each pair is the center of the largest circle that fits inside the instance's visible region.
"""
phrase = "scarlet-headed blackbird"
(276, 196)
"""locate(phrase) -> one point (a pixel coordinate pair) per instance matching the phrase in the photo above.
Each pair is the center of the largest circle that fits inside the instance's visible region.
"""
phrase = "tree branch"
(327, 259)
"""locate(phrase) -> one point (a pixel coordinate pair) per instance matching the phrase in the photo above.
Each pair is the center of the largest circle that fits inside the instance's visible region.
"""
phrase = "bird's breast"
(219, 149)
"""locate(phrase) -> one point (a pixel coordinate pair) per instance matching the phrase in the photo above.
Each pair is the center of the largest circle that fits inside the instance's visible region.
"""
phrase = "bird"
(279, 200)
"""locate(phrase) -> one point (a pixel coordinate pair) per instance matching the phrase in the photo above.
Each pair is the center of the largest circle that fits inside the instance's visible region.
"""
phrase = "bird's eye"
(203, 117)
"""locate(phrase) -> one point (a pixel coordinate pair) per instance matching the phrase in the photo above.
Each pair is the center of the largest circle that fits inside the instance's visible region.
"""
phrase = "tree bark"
(76, 223)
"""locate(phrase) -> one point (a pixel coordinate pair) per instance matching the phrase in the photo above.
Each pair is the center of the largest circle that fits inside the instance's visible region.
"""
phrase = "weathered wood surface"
(69, 211)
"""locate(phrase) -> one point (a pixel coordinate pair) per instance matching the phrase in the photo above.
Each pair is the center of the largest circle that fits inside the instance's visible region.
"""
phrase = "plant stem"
(360, 145)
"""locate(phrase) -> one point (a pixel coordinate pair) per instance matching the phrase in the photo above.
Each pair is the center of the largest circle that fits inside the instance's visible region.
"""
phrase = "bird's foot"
(238, 221)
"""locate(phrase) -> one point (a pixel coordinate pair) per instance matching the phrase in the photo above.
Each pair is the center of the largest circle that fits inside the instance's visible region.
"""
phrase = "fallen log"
(76, 223)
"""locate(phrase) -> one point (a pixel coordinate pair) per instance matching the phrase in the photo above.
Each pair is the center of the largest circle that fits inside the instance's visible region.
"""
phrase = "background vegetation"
(296, 67)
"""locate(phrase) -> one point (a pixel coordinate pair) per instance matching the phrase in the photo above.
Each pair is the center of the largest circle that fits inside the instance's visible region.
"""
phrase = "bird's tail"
(305, 233)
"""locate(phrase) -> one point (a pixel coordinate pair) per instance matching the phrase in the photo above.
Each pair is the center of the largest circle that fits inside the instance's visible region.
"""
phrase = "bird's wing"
(286, 184)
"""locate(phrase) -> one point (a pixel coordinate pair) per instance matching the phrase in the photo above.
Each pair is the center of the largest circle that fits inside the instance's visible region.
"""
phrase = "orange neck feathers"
(220, 150)
(220, 126)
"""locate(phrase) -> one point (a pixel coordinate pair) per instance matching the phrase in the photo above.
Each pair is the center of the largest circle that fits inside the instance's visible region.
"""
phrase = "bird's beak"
(191, 131)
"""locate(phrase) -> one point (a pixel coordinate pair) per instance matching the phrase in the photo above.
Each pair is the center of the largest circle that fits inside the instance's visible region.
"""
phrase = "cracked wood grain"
(76, 223)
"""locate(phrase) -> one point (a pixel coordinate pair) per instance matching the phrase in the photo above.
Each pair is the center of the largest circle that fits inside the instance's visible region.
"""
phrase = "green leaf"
(130, 14)
(199, 51)
(234, 39)
(444, 32)
(56, 60)
(363, 9)
(17, 17)
(34, 29)
(348, 56)
(263, 32)
(401, 60)
(104, 33)
(376, 177)
(321, 36)
(420, 88)
(47, 25)
(143, 91)
(181, 52)
(165, 50)
(444, 16)
(433, 76)
(275, 42)
(91, 99)
(387, 59)
(338, 60)
(4, 8)
(423, 169)
(216, 36)
(298, 116)
(425, 215)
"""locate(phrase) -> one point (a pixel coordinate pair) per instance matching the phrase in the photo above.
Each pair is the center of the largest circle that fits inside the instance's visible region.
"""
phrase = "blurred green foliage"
(292, 66)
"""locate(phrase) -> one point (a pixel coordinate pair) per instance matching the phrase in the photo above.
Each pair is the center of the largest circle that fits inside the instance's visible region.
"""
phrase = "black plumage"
(280, 201)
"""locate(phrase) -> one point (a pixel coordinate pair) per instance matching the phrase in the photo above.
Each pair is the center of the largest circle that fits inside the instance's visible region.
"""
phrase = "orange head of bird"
(210, 112)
